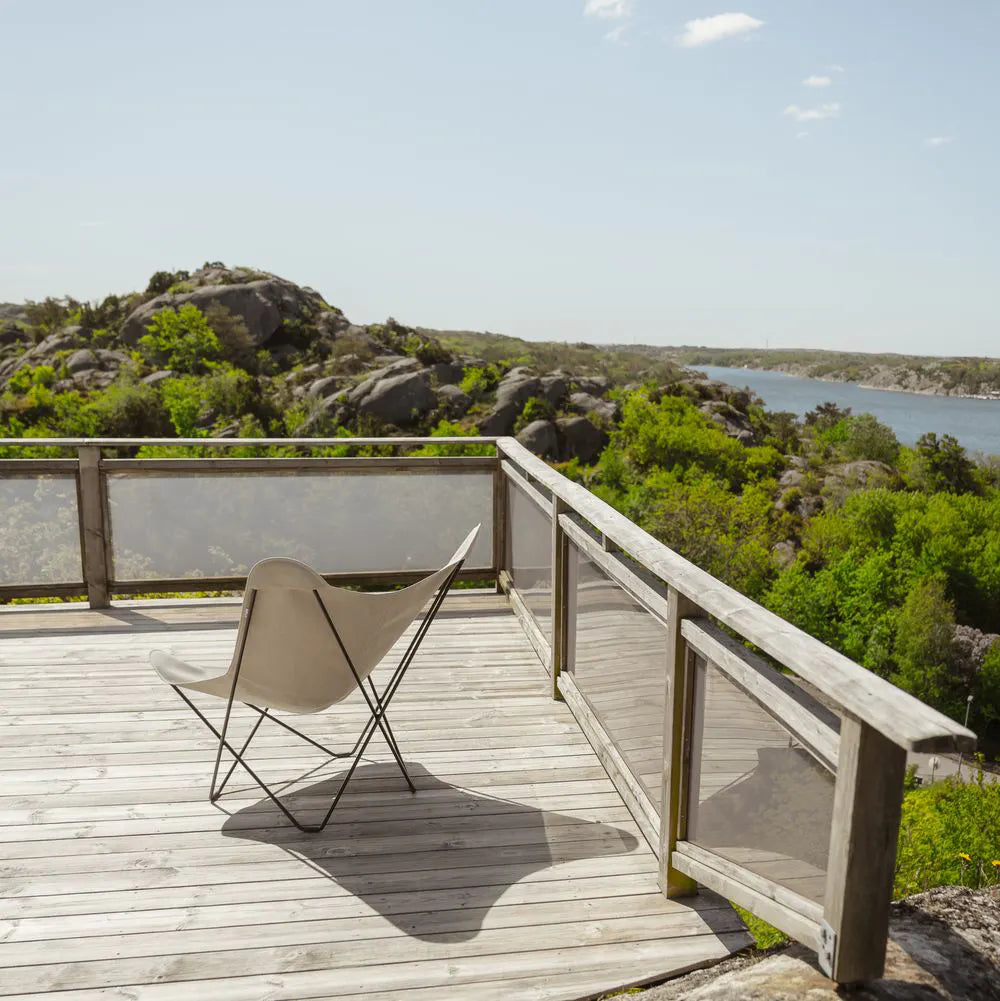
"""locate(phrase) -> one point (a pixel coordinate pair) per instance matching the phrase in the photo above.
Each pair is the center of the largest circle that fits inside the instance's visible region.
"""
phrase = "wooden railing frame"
(701, 617)
(705, 618)
(92, 469)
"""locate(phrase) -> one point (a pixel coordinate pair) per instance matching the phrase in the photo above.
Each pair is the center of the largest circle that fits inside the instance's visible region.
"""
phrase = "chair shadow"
(783, 804)
(433, 863)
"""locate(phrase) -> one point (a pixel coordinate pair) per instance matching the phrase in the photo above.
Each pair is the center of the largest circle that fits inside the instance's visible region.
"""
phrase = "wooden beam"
(435, 465)
(525, 486)
(401, 442)
(559, 597)
(25, 466)
(93, 529)
(755, 898)
(866, 808)
(674, 882)
(500, 527)
(646, 589)
(778, 695)
(367, 578)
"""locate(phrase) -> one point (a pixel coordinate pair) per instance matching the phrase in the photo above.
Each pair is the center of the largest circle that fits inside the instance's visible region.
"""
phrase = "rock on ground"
(262, 305)
(581, 438)
(944, 946)
(399, 399)
(540, 437)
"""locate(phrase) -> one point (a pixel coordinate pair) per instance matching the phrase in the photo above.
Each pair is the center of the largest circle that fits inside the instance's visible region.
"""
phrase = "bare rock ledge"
(945, 946)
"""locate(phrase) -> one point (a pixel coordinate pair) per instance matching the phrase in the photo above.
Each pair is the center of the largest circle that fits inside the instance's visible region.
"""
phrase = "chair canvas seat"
(304, 645)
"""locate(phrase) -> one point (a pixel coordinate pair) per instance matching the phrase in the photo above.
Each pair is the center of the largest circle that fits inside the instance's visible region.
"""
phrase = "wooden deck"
(514, 872)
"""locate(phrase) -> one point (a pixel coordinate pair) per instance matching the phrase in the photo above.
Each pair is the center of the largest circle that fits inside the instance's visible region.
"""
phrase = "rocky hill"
(297, 366)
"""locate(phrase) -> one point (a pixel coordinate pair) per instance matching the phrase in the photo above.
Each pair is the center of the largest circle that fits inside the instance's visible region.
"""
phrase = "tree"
(161, 281)
(869, 438)
(180, 339)
(942, 466)
(826, 415)
(924, 647)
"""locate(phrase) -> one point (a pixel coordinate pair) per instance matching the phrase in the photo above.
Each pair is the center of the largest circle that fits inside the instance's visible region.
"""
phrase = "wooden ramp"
(515, 872)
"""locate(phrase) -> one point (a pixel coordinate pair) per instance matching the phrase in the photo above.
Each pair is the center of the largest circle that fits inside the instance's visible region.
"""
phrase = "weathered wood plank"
(675, 774)
(867, 802)
(120, 877)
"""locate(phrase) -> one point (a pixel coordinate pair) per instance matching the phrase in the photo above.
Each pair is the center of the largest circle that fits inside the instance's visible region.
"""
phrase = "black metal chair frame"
(377, 705)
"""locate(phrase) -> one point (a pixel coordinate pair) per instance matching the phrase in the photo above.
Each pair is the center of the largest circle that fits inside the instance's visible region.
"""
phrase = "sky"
(783, 173)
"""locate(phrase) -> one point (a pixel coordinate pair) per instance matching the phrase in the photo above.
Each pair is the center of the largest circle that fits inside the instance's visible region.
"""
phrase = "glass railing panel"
(758, 796)
(618, 657)
(39, 530)
(188, 525)
(531, 556)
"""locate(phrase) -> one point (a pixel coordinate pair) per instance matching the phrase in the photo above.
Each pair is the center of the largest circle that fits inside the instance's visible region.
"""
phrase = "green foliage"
(949, 834)
(196, 403)
(942, 465)
(126, 410)
(449, 429)
(880, 579)
(234, 339)
(180, 339)
(161, 281)
(480, 381)
(108, 313)
(50, 314)
(729, 535)
(535, 409)
(924, 646)
(868, 438)
(672, 434)
(765, 936)
(27, 378)
(826, 416)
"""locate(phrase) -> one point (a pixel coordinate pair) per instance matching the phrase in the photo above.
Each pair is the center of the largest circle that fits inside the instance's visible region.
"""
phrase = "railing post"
(560, 590)
(500, 527)
(675, 777)
(93, 530)
(867, 802)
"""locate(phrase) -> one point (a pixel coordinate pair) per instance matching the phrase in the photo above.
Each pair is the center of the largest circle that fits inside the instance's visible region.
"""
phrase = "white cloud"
(817, 81)
(939, 140)
(703, 30)
(612, 9)
(801, 135)
(616, 35)
(831, 110)
(835, 68)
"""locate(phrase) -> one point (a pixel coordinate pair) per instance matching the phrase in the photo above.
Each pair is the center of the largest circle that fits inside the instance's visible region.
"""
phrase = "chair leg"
(214, 793)
(374, 722)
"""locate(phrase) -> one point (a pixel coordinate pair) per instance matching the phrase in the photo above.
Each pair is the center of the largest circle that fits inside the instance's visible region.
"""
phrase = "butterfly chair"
(303, 645)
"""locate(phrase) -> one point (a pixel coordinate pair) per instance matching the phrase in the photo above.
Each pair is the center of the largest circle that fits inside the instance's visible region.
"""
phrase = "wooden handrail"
(857, 692)
(235, 442)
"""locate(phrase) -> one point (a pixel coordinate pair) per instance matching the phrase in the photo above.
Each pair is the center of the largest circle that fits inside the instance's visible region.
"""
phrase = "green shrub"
(128, 410)
(949, 834)
(535, 409)
(449, 429)
(869, 438)
(480, 381)
(180, 339)
(161, 281)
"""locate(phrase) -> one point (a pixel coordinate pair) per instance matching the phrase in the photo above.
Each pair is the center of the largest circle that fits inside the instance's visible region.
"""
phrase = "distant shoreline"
(893, 388)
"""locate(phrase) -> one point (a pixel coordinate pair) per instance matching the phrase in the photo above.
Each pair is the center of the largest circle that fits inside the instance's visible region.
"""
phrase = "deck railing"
(773, 777)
